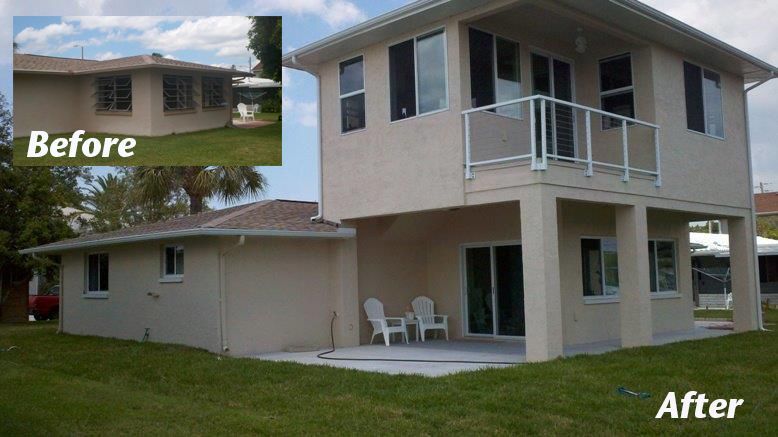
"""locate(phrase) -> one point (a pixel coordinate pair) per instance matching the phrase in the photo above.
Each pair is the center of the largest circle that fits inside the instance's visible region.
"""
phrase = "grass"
(222, 146)
(770, 316)
(65, 384)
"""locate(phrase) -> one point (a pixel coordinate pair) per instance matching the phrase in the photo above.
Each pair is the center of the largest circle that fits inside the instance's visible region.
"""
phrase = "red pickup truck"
(44, 306)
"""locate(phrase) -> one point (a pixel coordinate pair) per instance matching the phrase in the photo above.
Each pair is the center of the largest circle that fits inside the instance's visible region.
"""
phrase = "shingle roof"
(270, 217)
(766, 203)
(51, 64)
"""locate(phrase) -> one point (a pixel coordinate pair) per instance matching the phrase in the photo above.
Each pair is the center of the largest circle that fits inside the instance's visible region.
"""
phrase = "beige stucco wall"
(185, 312)
(36, 94)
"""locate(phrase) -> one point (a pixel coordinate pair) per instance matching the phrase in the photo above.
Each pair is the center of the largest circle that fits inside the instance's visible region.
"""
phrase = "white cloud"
(33, 38)
(286, 77)
(303, 113)
(170, 57)
(227, 36)
(118, 22)
(104, 56)
(336, 13)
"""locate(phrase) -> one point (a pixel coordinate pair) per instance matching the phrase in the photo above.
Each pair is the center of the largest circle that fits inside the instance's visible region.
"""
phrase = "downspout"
(759, 319)
(320, 212)
(225, 347)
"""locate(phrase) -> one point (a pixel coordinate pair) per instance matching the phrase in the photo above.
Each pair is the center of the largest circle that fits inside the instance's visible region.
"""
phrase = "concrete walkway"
(480, 352)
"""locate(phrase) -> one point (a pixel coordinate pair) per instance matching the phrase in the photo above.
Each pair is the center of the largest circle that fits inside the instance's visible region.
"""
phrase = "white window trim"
(705, 103)
(415, 40)
(665, 293)
(621, 90)
(177, 277)
(602, 298)
(496, 35)
(95, 294)
(351, 94)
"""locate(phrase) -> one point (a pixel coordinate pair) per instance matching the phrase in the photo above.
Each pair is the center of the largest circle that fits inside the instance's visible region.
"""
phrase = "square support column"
(634, 276)
(542, 294)
(345, 295)
(743, 269)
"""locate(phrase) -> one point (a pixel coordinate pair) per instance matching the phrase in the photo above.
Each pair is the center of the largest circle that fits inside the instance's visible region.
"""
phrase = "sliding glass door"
(554, 78)
(494, 290)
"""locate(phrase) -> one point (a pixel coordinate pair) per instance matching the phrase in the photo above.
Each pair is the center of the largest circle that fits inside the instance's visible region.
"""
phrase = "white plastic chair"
(424, 308)
(382, 324)
(245, 112)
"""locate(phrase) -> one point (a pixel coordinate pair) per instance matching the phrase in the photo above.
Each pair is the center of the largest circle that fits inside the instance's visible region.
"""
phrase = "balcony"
(508, 133)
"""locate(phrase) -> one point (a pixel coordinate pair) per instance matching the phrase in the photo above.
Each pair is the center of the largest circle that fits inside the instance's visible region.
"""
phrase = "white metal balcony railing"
(500, 133)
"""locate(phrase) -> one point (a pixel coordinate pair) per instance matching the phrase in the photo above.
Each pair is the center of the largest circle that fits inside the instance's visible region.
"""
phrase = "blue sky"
(747, 24)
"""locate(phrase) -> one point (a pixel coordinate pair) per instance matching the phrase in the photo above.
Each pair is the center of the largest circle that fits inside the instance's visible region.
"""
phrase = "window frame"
(495, 36)
(352, 94)
(439, 29)
(174, 277)
(703, 68)
(601, 94)
(204, 95)
(192, 99)
(602, 298)
(96, 294)
(113, 78)
(664, 293)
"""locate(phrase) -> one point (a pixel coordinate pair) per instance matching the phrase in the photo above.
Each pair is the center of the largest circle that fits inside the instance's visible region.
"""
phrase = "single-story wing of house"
(140, 95)
(252, 278)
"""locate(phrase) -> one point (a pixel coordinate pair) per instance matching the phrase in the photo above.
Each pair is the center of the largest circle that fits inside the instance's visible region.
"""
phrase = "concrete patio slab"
(463, 355)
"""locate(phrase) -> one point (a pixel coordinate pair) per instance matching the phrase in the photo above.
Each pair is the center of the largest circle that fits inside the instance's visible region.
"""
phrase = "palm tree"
(229, 183)
(107, 199)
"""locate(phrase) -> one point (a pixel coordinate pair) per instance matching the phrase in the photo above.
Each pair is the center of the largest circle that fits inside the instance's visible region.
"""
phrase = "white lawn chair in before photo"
(424, 308)
(382, 324)
(245, 112)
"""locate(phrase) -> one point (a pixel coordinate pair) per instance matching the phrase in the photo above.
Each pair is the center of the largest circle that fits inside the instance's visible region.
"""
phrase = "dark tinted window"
(351, 77)
(481, 68)
(352, 112)
(402, 81)
(615, 73)
(695, 111)
(592, 267)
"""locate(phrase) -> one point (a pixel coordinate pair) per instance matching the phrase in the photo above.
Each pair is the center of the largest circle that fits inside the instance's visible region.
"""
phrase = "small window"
(495, 73)
(661, 256)
(213, 92)
(352, 94)
(177, 92)
(173, 261)
(600, 267)
(617, 92)
(418, 80)
(113, 93)
(97, 273)
(704, 109)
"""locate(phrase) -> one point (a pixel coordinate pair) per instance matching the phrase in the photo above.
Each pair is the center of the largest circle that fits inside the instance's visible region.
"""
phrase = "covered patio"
(463, 355)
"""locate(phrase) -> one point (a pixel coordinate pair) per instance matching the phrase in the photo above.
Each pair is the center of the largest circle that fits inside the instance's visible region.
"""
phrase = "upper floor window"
(97, 273)
(114, 93)
(177, 92)
(617, 91)
(352, 94)
(495, 73)
(173, 261)
(704, 112)
(418, 82)
(213, 92)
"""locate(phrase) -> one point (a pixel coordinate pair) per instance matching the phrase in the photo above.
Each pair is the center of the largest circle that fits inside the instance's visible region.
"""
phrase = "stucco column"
(742, 263)
(542, 294)
(345, 300)
(634, 276)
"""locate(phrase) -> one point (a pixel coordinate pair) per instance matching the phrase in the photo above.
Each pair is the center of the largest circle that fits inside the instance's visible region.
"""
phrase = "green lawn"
(64, 384)
(222, 146)
(770, 316)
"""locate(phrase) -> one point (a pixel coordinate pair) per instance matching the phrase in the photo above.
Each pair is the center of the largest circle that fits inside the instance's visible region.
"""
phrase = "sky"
(213, 32)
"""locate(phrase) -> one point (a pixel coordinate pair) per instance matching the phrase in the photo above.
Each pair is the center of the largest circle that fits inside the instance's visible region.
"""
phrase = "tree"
(767, 227)
(157, 54)
(229, 183)
(31, 202)
(265, 43)
(16, 46)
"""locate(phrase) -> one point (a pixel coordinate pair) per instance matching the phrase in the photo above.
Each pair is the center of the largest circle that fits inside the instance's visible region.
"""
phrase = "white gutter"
(340, 233)
(320, 212)
(225, 345)
(752, 202)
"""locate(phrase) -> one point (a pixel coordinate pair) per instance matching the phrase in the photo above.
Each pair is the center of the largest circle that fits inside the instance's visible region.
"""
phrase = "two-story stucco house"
(530, 166)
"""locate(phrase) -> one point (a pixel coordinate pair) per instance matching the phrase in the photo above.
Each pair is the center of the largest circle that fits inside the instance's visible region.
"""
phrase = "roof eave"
(196, 232)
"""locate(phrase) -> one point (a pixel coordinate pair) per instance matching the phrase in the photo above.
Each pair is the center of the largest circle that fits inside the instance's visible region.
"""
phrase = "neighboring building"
(531, 167)
(766, 204)
(255, 91)
(139, 95)
(711, 268)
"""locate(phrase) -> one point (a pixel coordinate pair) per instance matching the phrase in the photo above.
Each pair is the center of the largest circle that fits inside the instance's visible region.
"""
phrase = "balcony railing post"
(468, 153)
(532, 136)
(625, 146)
(589, 166)
(657, 150)
(543, 136)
